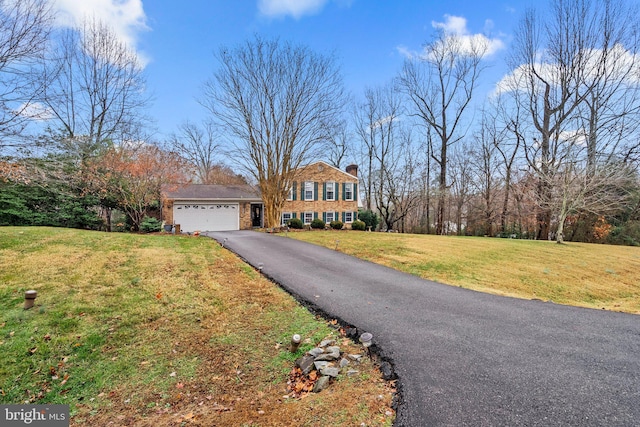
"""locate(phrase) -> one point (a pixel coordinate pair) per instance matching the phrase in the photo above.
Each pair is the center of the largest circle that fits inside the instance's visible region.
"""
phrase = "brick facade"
(322, 202)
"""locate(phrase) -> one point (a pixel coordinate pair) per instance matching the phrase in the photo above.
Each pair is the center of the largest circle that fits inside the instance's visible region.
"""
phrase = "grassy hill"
(161, 330)
(581, 274)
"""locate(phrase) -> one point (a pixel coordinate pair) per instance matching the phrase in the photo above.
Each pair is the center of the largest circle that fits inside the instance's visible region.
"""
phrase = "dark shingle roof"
(213, 192)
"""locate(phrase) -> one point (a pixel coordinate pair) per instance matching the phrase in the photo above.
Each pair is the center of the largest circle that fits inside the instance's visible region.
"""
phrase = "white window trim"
(284, 222)
(308, 184)
(346, 220)
(290, 195)
(348, 188)
(305, 217)
(333, 216)
(332, 185)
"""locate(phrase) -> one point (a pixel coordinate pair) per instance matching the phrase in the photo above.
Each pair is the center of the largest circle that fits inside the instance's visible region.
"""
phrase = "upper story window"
(348, 190)
(309, 190)
(330, 191)
(290, 195)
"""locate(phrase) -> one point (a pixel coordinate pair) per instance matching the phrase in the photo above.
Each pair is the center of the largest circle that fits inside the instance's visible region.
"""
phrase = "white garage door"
(206, 216)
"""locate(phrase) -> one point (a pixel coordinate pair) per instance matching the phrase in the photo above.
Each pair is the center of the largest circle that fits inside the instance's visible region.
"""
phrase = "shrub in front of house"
(358, 225)
(295, 223)
(336, 225)
(370, 219)
(150, 225)
(318, 224)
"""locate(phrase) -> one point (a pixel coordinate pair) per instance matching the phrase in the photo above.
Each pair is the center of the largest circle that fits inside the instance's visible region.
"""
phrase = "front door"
(256, 215)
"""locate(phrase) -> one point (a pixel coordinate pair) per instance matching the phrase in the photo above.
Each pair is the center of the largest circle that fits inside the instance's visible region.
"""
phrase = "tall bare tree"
(377, 125)
(24, 31)
(559, 61)
(94, 87)
(440, 85)
(199, 145)
(278, 102)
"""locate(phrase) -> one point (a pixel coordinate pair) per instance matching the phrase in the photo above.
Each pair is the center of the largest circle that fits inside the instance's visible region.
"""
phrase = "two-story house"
(319, 191)
(323, 191)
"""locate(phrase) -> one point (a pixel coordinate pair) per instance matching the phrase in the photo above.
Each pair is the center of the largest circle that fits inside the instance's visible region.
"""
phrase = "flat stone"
(320, 365)
(328, 356)
(344, 362)
(330, 371)
(332, 349)
(321, 384)
(355, 357)
(352, 372)
(325, 343)
(305, 363)
(315, 351)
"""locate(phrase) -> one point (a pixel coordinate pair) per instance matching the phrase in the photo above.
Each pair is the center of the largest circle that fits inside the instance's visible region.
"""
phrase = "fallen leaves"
(299, 385)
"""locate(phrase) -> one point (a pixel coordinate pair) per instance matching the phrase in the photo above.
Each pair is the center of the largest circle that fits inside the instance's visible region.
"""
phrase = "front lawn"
(580, 274)
(161, 330)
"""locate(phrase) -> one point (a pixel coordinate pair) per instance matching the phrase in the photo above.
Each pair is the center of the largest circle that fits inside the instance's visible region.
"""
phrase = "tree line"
(551, 153)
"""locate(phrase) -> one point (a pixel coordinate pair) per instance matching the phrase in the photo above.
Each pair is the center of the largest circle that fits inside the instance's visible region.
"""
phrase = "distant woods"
(551, 151)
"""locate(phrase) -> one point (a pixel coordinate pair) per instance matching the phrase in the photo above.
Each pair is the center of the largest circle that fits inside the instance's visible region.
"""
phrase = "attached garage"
(196, 216)
(202, 208)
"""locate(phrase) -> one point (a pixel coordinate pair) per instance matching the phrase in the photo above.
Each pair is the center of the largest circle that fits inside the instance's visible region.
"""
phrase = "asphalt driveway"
(465, 358)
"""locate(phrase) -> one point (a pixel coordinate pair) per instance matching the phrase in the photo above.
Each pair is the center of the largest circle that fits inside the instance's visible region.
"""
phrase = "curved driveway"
(465, 358)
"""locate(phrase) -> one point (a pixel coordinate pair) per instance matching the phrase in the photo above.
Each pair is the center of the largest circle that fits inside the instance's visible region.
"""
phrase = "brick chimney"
(353, 170)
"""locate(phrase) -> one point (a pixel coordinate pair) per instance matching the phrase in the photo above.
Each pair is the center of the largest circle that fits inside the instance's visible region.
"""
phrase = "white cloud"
(295, 8)
(125, 17)
(455, 27)
(622, 66)
(35, 111)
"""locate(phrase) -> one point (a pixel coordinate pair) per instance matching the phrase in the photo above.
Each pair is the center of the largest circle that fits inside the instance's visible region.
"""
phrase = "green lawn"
(160, 330)
(587, 275)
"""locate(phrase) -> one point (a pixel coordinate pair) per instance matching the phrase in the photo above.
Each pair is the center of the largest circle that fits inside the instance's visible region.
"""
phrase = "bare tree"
(24, 32)
(377, 125)
(461, 171)
(365, 115)
(440, 85)
(485, 160)
(199, 145)
(278, 102)
(94, 87)
(558, 61)
(579, 186)
(339, 145)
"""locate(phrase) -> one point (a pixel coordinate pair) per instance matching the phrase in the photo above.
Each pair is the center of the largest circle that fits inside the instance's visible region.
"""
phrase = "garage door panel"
(206, 216)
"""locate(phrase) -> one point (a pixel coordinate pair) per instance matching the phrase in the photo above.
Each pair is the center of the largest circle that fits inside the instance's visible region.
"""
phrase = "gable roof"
(214, 192)
(329, 166)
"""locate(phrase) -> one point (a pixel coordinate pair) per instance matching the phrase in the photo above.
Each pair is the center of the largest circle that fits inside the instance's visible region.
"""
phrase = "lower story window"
(308, 217)
(286, 216)
(348, 217)
(330, 216)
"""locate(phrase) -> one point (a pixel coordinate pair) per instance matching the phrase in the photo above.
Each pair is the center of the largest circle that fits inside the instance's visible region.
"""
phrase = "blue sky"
(177, 40)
